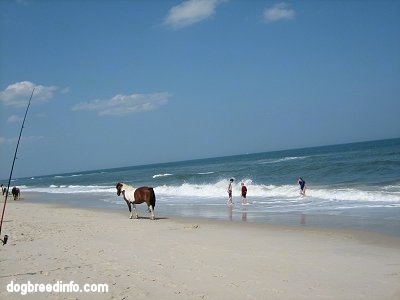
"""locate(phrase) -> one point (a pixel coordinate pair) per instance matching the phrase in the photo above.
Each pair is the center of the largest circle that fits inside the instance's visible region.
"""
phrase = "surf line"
(4, 240)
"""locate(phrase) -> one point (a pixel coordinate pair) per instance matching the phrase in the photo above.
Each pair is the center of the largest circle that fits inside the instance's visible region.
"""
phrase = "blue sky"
(121, 83)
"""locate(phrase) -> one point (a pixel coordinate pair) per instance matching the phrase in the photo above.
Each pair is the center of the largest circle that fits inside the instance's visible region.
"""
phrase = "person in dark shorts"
(244, 193)
(230, 192)
(302, 184)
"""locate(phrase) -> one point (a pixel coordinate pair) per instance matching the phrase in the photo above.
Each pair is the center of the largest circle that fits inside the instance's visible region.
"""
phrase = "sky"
(123, 83)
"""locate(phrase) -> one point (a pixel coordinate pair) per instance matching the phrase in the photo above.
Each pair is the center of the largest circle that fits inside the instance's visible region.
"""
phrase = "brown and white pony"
(140, 195)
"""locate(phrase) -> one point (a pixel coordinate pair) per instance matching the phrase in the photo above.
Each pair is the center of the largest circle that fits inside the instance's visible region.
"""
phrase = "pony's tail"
(152, 197)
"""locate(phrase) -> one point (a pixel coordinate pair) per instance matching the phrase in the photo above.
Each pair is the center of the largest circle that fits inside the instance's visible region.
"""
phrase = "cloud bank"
(190, 12)
(124, 104)
(278, 12)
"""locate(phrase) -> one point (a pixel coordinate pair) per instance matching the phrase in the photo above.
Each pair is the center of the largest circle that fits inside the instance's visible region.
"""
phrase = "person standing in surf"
(230, 192)
(244, 193)
(302, 184)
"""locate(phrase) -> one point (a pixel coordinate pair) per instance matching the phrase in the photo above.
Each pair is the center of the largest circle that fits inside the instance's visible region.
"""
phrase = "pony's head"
(118, 187)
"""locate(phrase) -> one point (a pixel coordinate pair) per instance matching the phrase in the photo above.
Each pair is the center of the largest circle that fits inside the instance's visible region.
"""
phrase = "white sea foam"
(219, 189)
(278, 160)
(162, 175)
(69, 189)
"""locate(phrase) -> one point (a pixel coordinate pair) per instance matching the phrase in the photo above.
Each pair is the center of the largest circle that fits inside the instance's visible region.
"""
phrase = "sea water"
(360, 180)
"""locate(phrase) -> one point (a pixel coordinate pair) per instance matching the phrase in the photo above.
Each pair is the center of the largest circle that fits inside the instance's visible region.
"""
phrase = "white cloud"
(124, 104)
(13, 119)
(278, 12)
(18, 94)
(14, 140)
(190, 12)
(65, 90)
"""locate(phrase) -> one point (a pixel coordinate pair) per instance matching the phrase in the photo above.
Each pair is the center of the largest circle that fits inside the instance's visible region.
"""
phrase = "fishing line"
(4, 240)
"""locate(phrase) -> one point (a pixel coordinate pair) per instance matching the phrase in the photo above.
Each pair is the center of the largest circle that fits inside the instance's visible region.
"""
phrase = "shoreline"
(377, 220)
(283, 222)
(186, 258)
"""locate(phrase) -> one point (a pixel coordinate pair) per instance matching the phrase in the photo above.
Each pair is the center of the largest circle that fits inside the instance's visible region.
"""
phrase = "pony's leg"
(152, 217)
(134, 208)
(130, 208)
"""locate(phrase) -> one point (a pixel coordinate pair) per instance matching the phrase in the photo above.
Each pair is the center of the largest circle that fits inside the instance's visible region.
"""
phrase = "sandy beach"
(172, 258)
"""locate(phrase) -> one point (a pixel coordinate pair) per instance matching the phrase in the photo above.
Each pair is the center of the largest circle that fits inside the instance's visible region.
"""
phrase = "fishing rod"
(4, 240)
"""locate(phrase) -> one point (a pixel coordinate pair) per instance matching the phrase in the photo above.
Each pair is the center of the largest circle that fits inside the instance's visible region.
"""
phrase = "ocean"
(358, 181)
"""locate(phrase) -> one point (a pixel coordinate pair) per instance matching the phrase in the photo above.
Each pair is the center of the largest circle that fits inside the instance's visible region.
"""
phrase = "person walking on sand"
(244, 193)
(302, 184)
(230, 192)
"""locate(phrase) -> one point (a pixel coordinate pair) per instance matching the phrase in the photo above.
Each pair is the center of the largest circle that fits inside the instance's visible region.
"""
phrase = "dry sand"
(190, 259)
